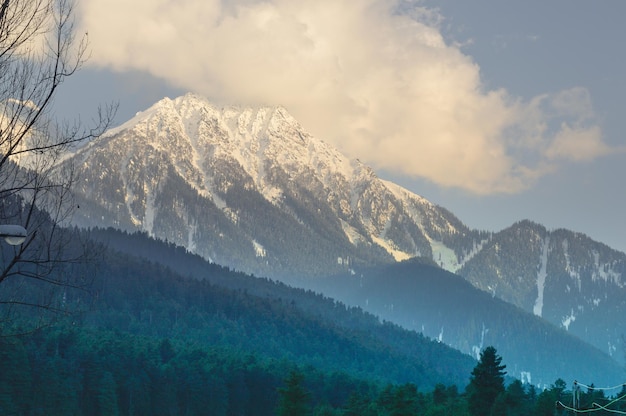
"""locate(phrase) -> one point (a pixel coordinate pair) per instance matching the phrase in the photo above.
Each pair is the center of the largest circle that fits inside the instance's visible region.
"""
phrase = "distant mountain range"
(417, 296)
(249, 189)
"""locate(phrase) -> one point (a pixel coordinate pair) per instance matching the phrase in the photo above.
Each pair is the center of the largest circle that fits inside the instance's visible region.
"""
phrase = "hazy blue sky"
(497, 110)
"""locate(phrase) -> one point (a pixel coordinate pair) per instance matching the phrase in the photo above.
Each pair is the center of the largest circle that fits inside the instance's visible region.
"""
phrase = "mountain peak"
(250, 136)
(242, 158)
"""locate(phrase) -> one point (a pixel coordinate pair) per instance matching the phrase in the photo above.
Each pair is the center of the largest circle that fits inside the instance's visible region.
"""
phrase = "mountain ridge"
(250, 189)
(266, 152)
(563, 276)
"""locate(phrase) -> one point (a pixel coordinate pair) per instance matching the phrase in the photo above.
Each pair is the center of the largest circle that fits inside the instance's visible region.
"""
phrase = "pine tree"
(486, 383)
(15, 377)
(293, 397)
(107, 395)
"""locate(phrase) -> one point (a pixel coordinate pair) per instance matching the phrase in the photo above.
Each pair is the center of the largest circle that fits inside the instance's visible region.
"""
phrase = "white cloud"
(575, 103)
(382, 86)
(577, 144)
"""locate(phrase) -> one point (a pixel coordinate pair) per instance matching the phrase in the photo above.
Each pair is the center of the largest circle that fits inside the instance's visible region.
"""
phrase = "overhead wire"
(592, 410)
(599, 388)
(595, 407)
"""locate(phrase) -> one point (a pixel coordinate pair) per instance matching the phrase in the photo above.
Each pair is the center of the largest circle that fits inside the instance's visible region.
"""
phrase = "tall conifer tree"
(293, 397)
(486, 383)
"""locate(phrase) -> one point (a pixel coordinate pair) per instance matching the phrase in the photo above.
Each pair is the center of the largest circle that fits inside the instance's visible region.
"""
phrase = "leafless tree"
(38, 51)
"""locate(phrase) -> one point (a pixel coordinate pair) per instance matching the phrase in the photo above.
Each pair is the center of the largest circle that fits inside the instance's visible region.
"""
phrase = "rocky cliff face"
(249, 188)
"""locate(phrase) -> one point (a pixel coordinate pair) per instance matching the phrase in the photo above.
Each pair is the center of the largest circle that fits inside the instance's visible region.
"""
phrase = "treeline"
(485, 394)
(112, 355)
(155, 340)
(77, 371)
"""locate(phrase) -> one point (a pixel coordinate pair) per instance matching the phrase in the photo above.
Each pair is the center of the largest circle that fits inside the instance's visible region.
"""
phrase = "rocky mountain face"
(564, 277)
(250, 189)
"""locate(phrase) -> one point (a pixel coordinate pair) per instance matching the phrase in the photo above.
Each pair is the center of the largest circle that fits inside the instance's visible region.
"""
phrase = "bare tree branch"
(38, 51)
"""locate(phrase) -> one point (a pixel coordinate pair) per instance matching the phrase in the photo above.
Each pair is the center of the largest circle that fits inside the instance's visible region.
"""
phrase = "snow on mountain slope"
(232, 158)
(250, 189)
(562, 276)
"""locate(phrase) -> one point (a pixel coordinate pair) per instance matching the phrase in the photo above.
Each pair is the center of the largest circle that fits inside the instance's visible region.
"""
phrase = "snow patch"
(191, 244)
(444, 256)
(353, 235)
(272, 194)
(568, 266)
(259, 250)
(343, 261)
(568, 320)
(219, 202)
(477, 349)
(139, 117)
(403, 194)
(605, 271)
(150, 214)
(398, 255)
(541, 277)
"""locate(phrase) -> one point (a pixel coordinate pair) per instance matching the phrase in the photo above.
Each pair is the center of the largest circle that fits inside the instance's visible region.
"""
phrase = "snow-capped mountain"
(249, 188)
(562, 276)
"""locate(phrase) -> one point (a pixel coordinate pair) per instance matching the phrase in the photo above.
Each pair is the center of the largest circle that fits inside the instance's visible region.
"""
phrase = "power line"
(595, 407)
(599, 388)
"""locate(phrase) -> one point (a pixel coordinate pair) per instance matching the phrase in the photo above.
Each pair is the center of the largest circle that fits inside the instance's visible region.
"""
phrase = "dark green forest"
(80, 371)
(194, 338)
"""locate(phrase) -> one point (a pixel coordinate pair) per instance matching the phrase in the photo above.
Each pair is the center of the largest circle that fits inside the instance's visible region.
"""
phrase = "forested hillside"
(180, 336)
(420, 296)
(153, 339)
(73, 370)
(146, 299)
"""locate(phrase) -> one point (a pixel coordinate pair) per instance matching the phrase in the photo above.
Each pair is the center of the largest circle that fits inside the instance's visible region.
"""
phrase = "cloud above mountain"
(375, 78)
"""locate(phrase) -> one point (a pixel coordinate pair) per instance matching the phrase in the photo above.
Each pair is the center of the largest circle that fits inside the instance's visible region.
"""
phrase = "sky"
(497, 110)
